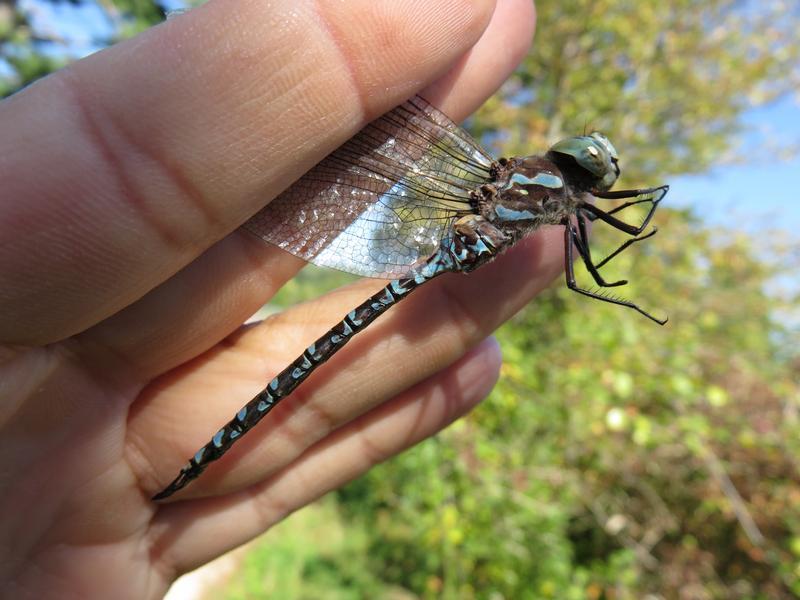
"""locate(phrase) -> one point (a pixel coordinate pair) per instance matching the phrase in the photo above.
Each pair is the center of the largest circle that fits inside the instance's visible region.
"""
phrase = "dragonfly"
(413, 196)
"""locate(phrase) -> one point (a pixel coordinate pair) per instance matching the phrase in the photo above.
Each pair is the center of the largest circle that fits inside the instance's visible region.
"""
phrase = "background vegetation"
(614, 459)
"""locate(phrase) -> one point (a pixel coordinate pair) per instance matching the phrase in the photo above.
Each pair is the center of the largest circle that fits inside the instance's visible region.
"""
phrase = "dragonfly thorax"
(590, 162)
(528, 192)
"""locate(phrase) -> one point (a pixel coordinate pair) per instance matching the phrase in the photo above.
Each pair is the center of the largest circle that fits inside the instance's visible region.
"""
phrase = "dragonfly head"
(589, 161)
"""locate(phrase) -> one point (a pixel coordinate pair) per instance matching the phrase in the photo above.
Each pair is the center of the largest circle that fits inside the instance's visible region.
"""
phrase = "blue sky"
(760, 194)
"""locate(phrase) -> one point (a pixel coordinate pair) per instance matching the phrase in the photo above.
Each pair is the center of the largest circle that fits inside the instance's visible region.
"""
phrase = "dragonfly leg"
(581, 240)
(653, 195)
(625, 245)
(569, 242)
(616, 209)
(661, 191)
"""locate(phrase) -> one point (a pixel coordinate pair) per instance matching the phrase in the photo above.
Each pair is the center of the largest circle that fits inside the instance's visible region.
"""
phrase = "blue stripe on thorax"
(507, 214)
(547, 180)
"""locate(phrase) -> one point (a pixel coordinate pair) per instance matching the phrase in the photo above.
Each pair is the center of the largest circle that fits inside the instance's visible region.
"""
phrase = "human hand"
(125, 282)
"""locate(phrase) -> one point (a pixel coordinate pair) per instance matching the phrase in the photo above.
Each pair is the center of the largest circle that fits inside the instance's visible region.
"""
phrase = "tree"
(30, 48)
(670, 80)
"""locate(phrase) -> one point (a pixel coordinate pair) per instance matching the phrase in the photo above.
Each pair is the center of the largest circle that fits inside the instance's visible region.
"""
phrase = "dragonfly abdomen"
(285, 382)
(475, 242)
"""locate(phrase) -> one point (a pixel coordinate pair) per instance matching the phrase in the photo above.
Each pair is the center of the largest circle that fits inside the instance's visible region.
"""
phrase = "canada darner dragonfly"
(413, 196)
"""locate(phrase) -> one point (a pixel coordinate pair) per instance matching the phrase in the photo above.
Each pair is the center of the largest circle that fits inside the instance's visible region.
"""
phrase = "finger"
(125, 166)
(488, 64)
(216, 293)
(422, 335)
(187, 535)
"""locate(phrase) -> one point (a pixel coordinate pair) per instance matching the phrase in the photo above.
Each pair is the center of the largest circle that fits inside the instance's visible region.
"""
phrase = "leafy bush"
(614, 458)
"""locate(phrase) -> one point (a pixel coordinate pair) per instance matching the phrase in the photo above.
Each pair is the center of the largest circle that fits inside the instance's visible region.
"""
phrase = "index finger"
(124, 167)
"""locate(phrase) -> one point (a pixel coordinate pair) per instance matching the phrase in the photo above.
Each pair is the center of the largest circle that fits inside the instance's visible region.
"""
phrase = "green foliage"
(310, 283)
(313, 554)
(28, 51)
(613, 459)
(668, 79)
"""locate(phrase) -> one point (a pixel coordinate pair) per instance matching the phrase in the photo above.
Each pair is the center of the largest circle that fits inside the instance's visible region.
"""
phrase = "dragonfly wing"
(384, 200)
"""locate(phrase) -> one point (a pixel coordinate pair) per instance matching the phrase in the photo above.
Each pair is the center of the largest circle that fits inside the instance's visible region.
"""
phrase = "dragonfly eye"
(591, 159)
(606, 144)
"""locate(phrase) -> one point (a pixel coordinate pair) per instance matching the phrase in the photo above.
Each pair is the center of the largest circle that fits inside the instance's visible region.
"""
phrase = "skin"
(126, 282)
